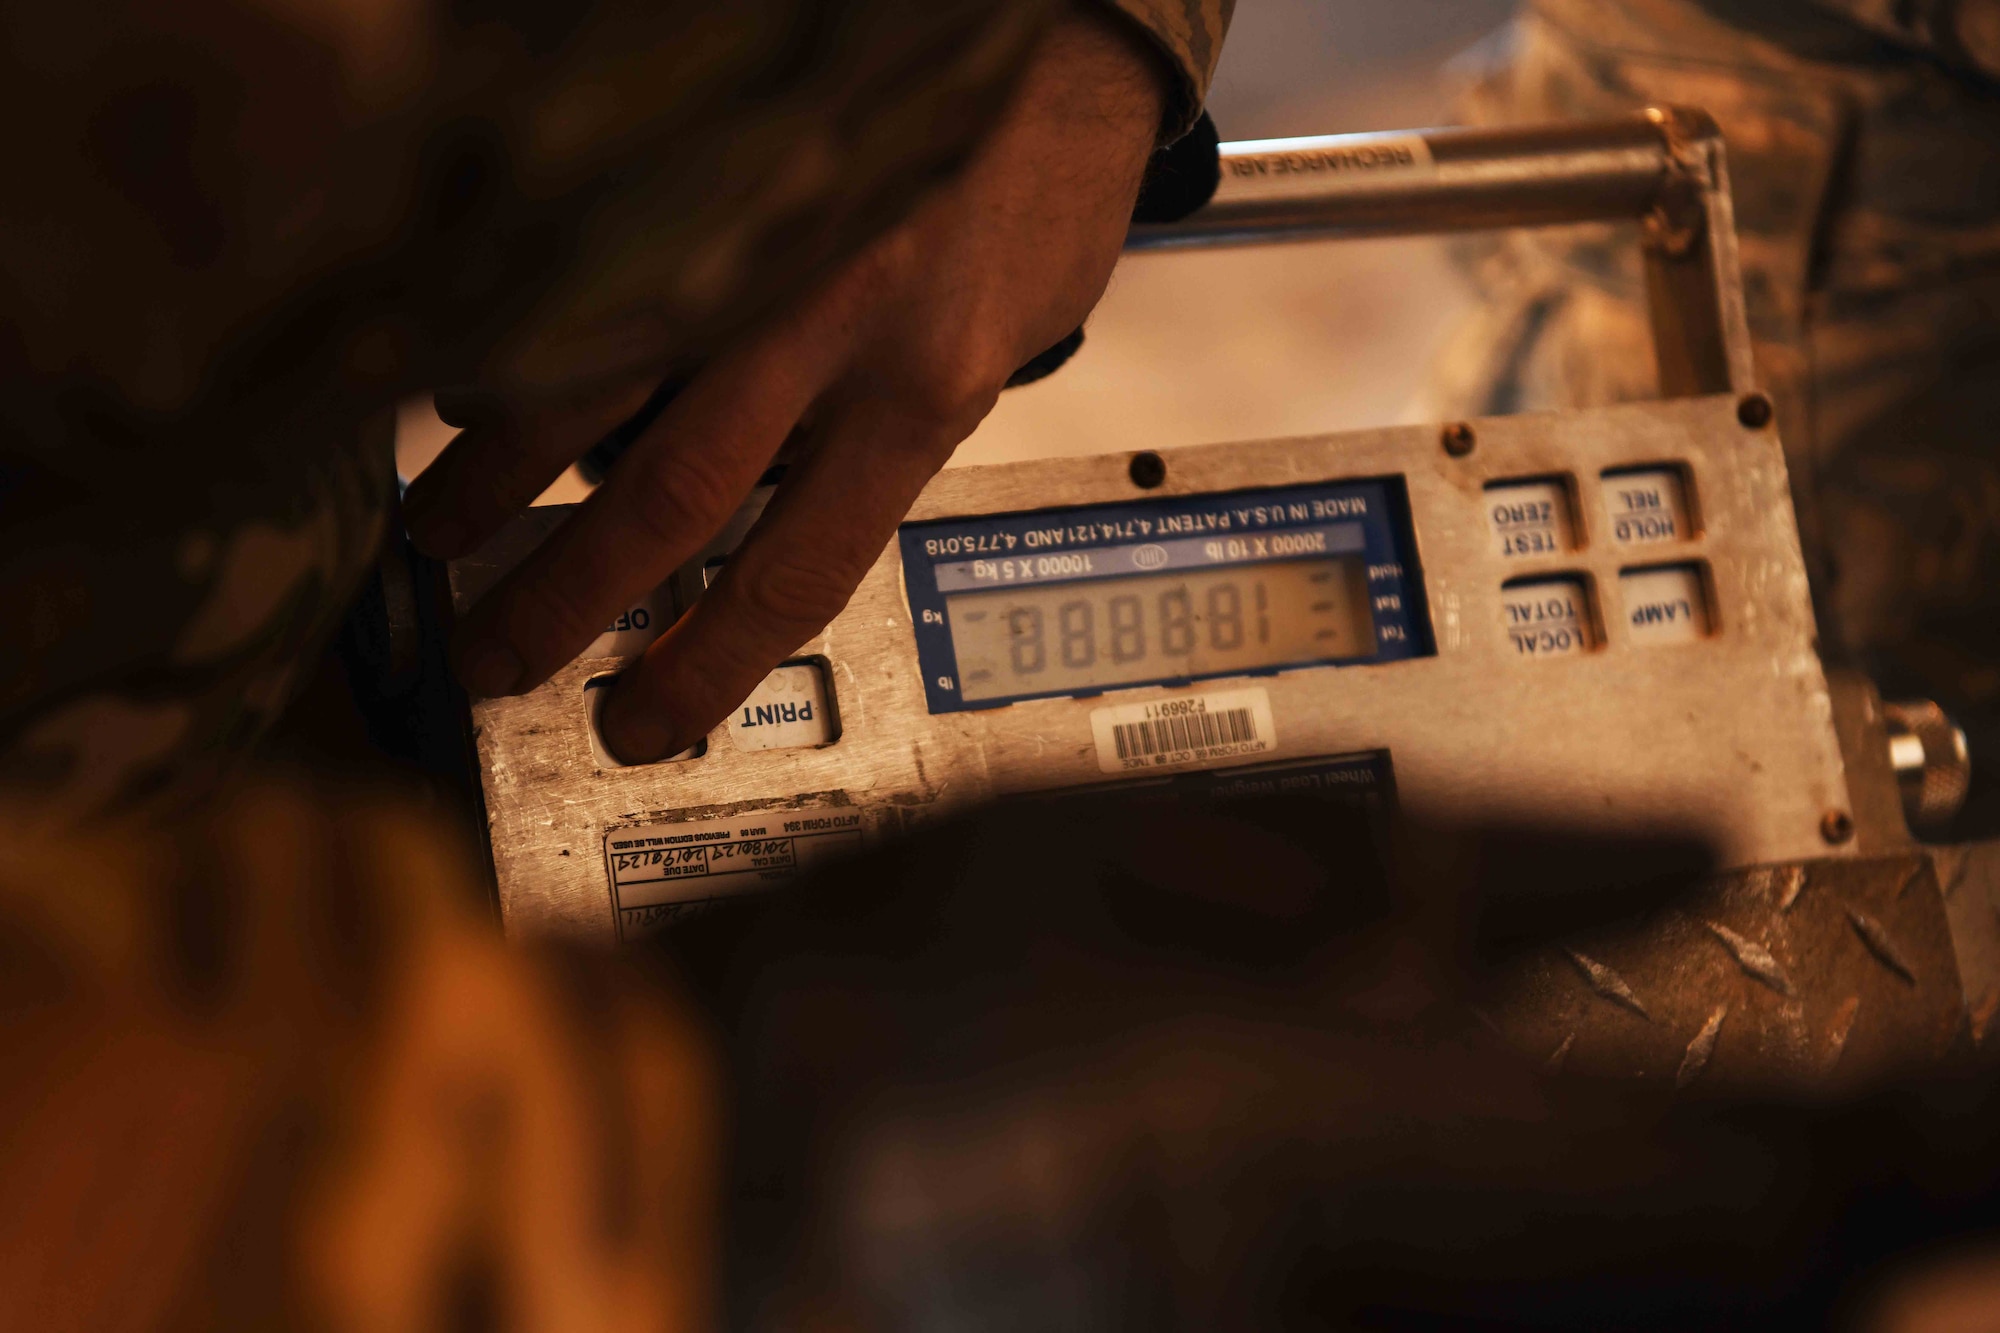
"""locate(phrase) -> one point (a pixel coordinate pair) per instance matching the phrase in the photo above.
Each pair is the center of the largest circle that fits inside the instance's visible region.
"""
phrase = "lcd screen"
(1081, 636)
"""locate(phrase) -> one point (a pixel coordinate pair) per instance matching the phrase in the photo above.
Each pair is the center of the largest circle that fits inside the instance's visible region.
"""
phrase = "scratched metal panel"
(1731, 735)
(1829, 975)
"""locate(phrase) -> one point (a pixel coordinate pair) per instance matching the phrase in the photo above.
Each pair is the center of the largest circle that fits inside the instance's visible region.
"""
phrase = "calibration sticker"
(1186, 729)
(660, 872)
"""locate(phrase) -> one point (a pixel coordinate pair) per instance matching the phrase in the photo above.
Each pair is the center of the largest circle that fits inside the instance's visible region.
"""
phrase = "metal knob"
(1933, 766)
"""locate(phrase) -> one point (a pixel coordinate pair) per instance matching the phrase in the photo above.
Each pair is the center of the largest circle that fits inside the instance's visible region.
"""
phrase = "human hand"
(879, 373)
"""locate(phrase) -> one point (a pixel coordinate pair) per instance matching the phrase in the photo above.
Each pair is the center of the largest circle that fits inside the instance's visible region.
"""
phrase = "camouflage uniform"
(1862, 138)
(266, 1069)
(237, 233)
(270, 1072)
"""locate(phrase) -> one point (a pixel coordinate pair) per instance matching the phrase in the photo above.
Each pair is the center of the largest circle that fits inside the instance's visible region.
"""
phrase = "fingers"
(501, 461)
(823, 532)
(465, 408)
(672, 490)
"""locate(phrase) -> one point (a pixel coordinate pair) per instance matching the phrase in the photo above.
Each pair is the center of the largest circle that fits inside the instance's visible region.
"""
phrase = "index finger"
(817, 540)
(671, 491)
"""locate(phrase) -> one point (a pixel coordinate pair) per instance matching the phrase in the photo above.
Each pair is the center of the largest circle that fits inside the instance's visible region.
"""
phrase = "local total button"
(1648, 505)
(1547, 617)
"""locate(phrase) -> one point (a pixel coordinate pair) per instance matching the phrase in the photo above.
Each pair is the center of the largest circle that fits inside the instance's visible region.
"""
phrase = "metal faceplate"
(1657, 673)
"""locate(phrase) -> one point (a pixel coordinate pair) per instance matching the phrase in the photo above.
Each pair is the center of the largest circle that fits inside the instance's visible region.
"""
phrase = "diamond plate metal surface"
(1801, 977)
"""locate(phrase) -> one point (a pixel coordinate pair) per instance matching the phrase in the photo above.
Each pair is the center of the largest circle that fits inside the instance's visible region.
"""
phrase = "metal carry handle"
(1664, 168)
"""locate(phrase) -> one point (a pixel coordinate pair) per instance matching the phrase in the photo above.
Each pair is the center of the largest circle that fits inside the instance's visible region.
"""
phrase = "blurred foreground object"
(271, 1069)
(1137, 1065)
(1107, 1064)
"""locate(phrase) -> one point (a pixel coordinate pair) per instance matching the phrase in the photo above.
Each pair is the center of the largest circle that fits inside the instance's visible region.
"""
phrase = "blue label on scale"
(1081, 601)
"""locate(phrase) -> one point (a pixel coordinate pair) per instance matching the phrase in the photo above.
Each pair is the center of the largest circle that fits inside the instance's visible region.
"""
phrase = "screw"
(1836, 826)
(1459, 439)
(1148, 470)
(1754, 410)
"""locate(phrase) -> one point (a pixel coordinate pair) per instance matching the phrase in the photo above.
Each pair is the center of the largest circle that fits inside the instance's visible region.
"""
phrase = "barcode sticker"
(1187, 729)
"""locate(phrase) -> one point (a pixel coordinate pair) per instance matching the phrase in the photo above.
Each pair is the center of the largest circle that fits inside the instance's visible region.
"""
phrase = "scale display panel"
(1079, 601)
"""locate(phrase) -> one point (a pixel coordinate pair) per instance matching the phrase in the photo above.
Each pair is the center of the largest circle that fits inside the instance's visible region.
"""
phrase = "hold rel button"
(1648, 505)
(1668, 604)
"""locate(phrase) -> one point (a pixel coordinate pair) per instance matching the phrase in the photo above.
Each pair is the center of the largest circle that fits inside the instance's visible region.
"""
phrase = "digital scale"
(1602, 614)
(1596, 621)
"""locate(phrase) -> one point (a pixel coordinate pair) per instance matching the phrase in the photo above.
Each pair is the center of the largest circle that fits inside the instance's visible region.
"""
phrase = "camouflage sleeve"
(301, 222)
(271, 1068)
(1964, 33)
(1189, 34)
